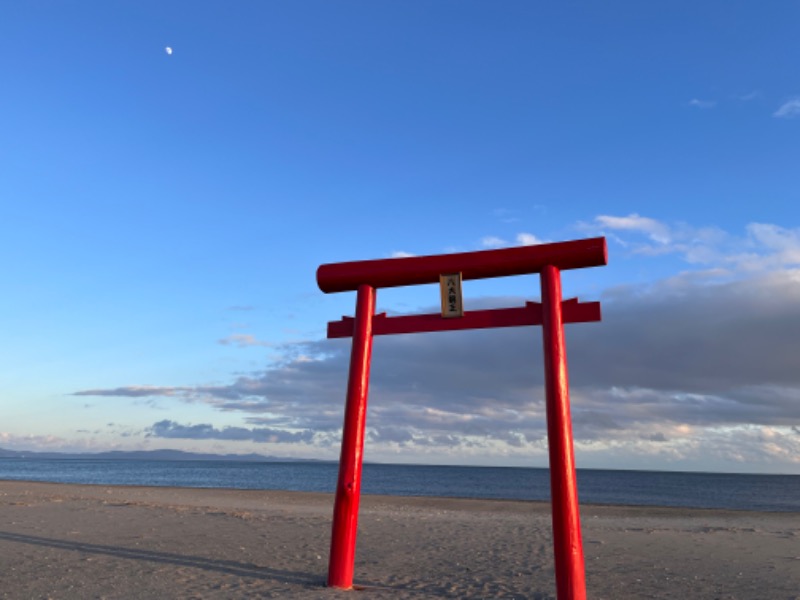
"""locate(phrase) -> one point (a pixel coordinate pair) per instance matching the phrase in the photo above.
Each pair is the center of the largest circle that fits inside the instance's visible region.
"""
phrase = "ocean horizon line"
(169, 454)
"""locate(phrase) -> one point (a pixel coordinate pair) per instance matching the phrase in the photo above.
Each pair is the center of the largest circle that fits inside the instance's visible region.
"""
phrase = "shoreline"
(413, 498)
(106, 541)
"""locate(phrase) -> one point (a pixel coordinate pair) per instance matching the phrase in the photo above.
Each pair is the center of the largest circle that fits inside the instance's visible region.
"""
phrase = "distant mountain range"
(152, 455)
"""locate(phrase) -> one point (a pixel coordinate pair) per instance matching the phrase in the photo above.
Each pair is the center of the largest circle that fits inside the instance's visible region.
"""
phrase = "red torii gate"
(366, 276)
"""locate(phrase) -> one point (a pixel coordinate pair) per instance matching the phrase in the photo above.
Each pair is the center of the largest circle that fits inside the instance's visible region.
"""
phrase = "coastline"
(773, 493)
(78, 541)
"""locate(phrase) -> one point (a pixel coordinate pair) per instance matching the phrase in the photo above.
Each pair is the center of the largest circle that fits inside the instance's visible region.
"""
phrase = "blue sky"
(162, 216)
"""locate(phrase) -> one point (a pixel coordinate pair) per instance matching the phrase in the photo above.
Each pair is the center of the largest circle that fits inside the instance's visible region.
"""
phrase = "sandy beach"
(75, 541)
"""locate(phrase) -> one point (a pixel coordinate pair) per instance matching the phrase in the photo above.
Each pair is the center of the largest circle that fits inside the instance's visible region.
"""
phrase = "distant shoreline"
(412, 500)
(772, 493)
(183, 456)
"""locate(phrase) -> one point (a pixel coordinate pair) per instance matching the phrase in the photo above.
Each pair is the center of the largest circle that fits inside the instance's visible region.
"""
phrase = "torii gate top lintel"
(481, 264)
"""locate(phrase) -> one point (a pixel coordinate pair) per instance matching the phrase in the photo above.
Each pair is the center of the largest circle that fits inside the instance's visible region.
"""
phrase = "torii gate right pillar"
(567, 544)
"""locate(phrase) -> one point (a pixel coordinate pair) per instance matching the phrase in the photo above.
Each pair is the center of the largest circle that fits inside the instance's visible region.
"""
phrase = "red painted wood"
(348, 489)
(568, 547)
(530, 314)
(552, 313)
(393, 272)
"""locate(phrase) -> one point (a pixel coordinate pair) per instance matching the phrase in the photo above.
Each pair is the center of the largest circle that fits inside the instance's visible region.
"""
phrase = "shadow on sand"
(228, 567)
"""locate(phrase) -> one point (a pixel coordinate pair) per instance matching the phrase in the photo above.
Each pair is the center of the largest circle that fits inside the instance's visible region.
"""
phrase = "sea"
(773, 493)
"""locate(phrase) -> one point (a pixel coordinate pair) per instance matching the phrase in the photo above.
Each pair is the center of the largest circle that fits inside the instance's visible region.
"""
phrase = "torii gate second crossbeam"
(366, 276)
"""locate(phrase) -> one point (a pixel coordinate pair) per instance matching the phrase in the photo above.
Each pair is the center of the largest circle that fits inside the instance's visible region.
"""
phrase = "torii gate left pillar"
(365, 276)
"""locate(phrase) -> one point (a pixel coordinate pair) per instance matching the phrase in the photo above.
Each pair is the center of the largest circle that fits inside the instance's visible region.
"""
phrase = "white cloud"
(528, 239)
(771, 247)
(402, 254)
(785, 241)
(139, 391)
(788, 110)
(762, 248)
(697, 103)
(687, 369)
(493, 242)
(523, 239)
(205, 431)
(655, 230)
(697, 367)
(242, 340)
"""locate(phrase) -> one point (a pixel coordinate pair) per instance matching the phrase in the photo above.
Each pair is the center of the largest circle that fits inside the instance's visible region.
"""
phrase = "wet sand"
(74, 541)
